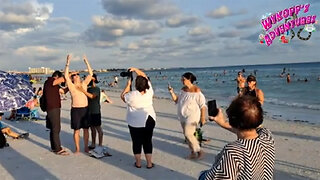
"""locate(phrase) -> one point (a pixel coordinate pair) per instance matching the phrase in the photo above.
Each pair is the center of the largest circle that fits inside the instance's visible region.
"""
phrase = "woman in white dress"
(191, 111)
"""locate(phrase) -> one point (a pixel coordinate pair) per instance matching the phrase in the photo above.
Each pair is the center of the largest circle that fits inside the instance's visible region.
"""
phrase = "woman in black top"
(252, 90)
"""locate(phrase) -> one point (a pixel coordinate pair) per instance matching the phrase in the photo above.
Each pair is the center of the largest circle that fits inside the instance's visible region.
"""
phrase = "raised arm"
(221, 121)
(126, 90)
(174, 97)
(89, 77)
(58, 81)
(66, 70)
(138, 72)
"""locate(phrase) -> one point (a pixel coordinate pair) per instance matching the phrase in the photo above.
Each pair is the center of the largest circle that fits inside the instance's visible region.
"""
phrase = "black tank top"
(250, 93)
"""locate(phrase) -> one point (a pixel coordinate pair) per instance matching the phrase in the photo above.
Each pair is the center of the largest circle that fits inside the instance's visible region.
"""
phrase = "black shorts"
(79, 118)
(95, 119)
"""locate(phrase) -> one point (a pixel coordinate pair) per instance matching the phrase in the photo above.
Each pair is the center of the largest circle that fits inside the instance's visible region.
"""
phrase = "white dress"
(189, 105)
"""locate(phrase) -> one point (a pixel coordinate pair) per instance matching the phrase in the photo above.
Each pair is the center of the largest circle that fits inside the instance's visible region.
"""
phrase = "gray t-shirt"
(94, 104)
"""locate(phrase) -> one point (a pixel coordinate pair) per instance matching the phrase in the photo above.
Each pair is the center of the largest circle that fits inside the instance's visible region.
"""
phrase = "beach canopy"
(15, 91)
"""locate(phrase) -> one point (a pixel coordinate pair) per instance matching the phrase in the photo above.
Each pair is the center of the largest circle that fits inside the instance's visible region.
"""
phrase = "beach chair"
(23, 113)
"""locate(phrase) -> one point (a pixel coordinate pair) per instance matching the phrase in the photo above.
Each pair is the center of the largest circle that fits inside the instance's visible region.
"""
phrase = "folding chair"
(23, 113)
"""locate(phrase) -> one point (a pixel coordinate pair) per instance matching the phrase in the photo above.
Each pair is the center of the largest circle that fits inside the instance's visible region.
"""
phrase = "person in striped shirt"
(252, 155)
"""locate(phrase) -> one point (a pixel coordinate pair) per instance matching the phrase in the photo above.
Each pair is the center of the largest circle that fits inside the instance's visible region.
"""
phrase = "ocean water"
(296, 101)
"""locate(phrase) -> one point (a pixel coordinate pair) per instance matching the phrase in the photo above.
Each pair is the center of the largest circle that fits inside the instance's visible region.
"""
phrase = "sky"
(146, 33)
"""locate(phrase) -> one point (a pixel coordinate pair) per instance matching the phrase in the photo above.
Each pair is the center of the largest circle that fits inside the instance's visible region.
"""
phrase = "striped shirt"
(244, 159)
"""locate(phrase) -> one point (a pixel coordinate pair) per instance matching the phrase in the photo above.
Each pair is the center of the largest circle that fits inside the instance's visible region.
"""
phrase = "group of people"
(85, 107)
(250, 156)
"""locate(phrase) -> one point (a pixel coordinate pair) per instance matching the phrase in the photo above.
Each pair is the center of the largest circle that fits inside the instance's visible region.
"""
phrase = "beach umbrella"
(15, 91)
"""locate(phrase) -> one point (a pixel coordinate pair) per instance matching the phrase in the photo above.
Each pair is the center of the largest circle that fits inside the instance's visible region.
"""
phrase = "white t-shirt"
(140, 106)
(189, 105)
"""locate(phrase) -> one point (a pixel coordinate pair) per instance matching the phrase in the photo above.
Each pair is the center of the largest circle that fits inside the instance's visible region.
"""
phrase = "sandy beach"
(297, 148)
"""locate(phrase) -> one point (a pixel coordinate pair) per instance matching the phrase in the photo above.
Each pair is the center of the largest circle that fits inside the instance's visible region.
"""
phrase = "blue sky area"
(146, 33)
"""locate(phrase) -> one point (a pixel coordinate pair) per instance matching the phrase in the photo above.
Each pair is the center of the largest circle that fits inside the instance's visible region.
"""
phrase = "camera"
(127, 74)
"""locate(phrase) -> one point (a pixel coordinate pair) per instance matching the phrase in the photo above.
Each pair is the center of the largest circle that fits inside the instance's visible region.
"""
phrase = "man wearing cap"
(93, 94)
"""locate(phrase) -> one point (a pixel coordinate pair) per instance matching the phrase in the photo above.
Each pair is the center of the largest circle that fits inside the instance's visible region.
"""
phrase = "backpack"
(3, 141)
(43, 101)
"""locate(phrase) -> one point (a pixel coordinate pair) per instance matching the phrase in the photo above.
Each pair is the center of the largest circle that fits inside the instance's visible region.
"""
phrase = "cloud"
(144, 9)
(23, 17)
(109, 29)
(222, 12)
(230, 34)
(198, 31)
(254, 37)
(200, 34)
(41, 53)
(247, 23)
(181, 20)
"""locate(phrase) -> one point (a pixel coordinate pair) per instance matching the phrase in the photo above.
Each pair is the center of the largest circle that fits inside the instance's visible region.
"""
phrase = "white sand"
(297, 149)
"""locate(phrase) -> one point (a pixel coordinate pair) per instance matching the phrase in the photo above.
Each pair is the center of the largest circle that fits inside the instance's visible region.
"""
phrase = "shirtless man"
(241, 82)
(79, 104)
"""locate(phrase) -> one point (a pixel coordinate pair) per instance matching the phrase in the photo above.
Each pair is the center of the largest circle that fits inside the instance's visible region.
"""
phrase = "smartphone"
(169, 86)
(212, 108)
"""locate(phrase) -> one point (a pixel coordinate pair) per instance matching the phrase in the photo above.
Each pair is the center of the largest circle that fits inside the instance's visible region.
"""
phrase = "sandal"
(151, 166)
(135, 164)
(62, 153)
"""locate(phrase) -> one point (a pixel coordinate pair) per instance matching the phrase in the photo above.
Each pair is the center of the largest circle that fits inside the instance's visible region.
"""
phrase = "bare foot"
(200, 154)
(76, 153)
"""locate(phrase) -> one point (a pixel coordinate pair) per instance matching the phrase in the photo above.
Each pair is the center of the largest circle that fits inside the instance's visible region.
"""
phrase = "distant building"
(42, 70)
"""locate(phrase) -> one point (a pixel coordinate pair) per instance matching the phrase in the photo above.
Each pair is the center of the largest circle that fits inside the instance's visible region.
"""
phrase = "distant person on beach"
(39, 92)
(141, 116)
(252, 155)
(7, 131)
(33, 105)
(104, 97)
(241, 83)
(252, 90)
(79, 104)
(288, 78)
(94, 111)
(191, 111)
(115, 80)
(12, 115)
(53, 104)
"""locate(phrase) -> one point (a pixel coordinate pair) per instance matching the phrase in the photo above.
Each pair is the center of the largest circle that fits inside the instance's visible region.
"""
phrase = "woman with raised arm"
(191, 111)
(141, 116)
(252, 155)
(79, 104)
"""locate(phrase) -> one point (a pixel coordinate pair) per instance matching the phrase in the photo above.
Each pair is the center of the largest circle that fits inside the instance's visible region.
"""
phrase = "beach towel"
(99, 152)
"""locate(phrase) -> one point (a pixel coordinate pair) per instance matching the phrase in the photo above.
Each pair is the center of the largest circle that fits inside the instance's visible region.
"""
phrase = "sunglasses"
(75, 74)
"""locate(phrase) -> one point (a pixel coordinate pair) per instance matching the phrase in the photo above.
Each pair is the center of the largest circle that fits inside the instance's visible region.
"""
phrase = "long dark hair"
(142, 83)
(189, 76)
